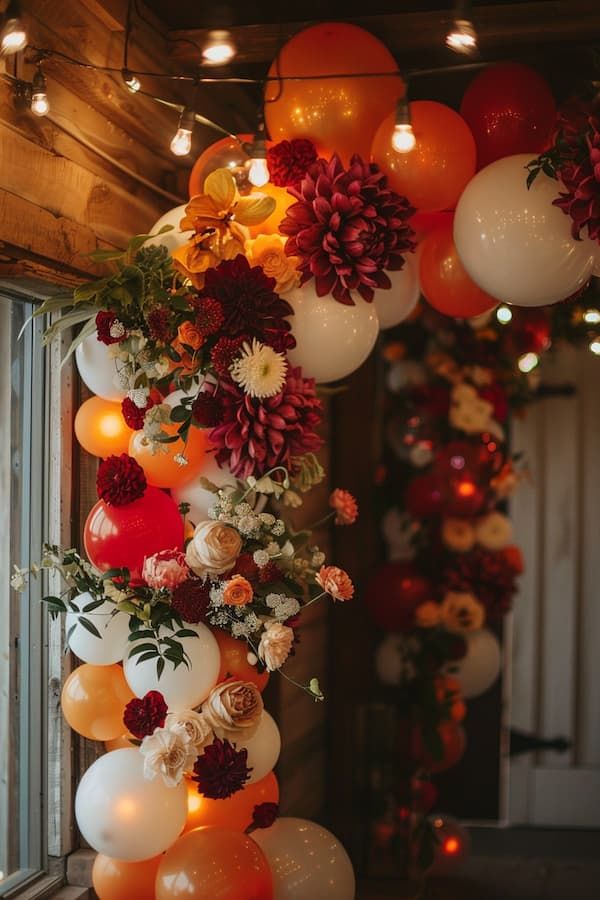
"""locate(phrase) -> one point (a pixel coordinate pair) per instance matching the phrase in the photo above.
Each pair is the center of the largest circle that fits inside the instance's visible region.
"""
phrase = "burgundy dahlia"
(209, 315)
(486, 574)
(263, 815)
(578, 167)
(289, 161)
(134, 414)
(206, 410)
(346, 227)
(191, 599)
(141, 717)
(270, 573)
(224, 352)
(246, 567)
(258, 434)
(221, 770)
(250, 305)
(109, 330)
(160, 326)
(120, 480)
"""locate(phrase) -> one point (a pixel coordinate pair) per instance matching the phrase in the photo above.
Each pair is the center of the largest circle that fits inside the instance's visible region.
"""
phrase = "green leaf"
(89, 627)
(186, 632)
(56, 604)
(94, 604)
(87, 329)
(146, 656)
(160, 667)
(143, 648)
(140, 633)
(180, 414)
(114, 573)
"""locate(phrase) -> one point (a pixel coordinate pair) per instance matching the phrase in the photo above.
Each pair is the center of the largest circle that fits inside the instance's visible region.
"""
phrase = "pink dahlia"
(165, 569)
(256, 434)
(346, 227)
(577, 144)
(289, 161)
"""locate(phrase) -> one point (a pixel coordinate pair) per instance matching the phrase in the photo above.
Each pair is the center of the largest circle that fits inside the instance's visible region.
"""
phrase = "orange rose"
(189, 335)
(238, 591)
(514, 558)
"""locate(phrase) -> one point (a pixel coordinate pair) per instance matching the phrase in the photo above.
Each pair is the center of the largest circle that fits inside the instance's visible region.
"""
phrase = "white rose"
(192, 725)
(213, 548)
(494, 531)
(275, 645)
(169, 754)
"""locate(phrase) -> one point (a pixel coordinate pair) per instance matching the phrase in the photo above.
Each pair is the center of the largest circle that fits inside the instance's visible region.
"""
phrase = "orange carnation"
(190, 335)
(238, 591)
(345, 506)
(335, 582)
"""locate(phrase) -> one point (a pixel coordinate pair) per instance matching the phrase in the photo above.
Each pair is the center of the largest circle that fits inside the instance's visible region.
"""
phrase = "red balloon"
(454, 744)
(530, 330)
(444, 280)
(424, 496)
(510, 109)
(423, 223)
(121, 536)
(394, 592)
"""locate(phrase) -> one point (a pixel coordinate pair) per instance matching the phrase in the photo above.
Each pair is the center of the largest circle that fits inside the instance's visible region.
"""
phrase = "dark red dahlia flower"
(270, 573)
(206, 410)
(209, 315)
(250, 305)
(224, 352)
(289, 161)
(160, 326)
(577, 146)
(133, 414)
(221, 770)
(486, 574)
(347, 227)
(109, 329)
(191, 599)
(246, 567)
(141, 717)
(120, 480)
(263, 815)
(256, 435)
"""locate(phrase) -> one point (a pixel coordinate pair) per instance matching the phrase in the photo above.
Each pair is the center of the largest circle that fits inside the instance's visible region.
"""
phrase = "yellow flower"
(427, 615)
(267, 250)
(219, 218)
(461, 611)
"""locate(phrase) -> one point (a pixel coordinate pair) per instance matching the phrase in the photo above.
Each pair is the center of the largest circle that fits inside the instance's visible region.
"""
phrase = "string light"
(504, 314)
(39, 98)
(218, 49)
(595, 346)
(403, 136)
(258, 172)
(13, 36)
(527, 362)
(132, 81)
(591, 316)
(182, 141)
(462, 37)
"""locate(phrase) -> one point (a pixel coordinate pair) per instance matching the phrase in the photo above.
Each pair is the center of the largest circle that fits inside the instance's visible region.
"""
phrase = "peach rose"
(275, 644)
(237, 591)
(213, 549)
(428, 615)
(458, 535)
(233, 709)
(190, 335)
(335, 582)
(462, 611)
(267, 250)
(165, 569)
(494, 531)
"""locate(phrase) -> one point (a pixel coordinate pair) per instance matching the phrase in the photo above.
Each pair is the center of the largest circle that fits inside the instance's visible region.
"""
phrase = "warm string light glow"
(462, 37)
(219, 49)
(527, 362)
(595, 346)
(258, 172)
(504, 314)
(132, 82)
(591, 316)
(39, 98)
(13, 37)
(403, 137)
(182, 140)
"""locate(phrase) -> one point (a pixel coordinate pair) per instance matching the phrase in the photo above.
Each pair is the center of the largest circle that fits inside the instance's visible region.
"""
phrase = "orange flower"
(345, 506)
(427, 615)
(238, 591)
(448, 690)
(514, 558)
(335, 582)
(190, 335)
(267, 251)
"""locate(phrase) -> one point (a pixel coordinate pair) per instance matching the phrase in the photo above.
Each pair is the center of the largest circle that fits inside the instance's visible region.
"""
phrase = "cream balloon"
(513, 242)
(199, 499)
(185, 686)
(480, 667)
(263, 748)
(596, 252)
(306, 860)
(113, 626)
(122, 814)
(332, 340)
(170, 239)
(391, 660)
(98, 368)
(395, 305)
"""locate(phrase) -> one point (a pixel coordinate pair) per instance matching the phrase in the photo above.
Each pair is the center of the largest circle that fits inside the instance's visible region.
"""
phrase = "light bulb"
(14, 36)
(132, 81)
(591, 316)
(463, 37)
(219, 49)
(595, 346)
(528, 362)
(403, 138)
(39, 104)
(258, 173)
(182, 142)
(504, 314)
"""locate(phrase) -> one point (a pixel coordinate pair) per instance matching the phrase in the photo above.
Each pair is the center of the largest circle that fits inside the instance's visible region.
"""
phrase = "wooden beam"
(504, 26)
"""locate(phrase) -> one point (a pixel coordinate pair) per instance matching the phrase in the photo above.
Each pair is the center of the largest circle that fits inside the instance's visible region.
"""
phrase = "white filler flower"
(260, 370)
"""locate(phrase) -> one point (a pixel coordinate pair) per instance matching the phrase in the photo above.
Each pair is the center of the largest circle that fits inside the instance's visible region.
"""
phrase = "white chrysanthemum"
(259, 370)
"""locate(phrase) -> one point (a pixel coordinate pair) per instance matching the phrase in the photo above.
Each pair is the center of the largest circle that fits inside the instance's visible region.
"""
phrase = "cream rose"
(275, 645)
(191, 725)
(233, 709)
(213, 549)
(458, 535)
(462, 611)
(169, 754)
(494, 531)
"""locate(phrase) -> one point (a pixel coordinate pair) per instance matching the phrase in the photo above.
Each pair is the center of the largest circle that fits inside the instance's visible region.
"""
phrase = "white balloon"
(332, 339)
(480, 667)
(123, 815)
(391, 660)
(596, 252)
(184, 687)
(113, 626)
(395, 305)
(170, 239)
(199, 498)
(98, 368)
(513, 242)
(306, 860)
(263, 748)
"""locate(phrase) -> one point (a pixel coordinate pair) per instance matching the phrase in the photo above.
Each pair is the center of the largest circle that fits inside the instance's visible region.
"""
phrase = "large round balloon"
(434, 174)
(114, 879)
(162, 466)
(235, 812)
(444, 281)
(101, 429)
(200, 499)
(263, 748)
(214, 863)
(339, 114)
(390, 660)
(282, 201)
(183, 687)
(112, 625)
(509, 109)
(173, 238)
(98, 368)
(480, 666)
(513, 242)
(395, 305)
(393, 593)
(332, 339)
(122, 536)
(453, 745)
(227, 153)
(93, 701)
(234, 660)
(307, 861)
(122, 814)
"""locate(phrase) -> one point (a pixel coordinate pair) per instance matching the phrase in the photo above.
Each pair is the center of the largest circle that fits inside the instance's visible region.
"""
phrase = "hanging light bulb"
(218, 49)
(13, 36)
(258, 172)
(403, 136)
(504, 314)
(595, 346)
(527, 362)
(591, 316)
(39, 98)
(182, 141)
(132, 81)
(462, 37)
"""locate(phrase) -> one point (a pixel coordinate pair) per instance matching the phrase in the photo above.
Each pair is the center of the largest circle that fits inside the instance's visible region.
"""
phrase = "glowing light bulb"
(132, 81)
(451, 846)
(504, 314)
(39, 104)
(403, 138)
(13, 37)
(219, 49)
(463, 37)
(258, 173)
(182, 142)
(528, 362)
(591, 316)
(595, 346)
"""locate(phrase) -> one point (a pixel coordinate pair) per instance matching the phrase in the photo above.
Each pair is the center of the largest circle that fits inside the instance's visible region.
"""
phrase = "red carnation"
(191, 599)
(120, 480)
(347, 227)
(133, 414)
(221, 770)
(206, 410)
(160, 326)
(141, 717)
(209, 315)
(289, 161)
(263, 816)
(224, 352)
(109, 329)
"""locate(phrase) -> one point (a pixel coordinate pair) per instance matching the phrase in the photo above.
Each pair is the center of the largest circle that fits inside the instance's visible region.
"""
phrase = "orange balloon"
(236, 811)
(215, 863)
(93, 701)
(444, 281)
(434, 174)
(120, 743)
(101, 429)
(234, 660)
(224, 154)
(282, 201)
(454, 744)
(161, 467)
(114, 879)
(340, 115)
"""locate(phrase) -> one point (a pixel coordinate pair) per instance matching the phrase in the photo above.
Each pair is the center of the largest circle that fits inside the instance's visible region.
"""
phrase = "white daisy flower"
(259, 370)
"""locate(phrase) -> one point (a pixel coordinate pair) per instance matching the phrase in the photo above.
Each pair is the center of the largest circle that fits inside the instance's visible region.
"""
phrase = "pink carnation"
(345, 506)
(335, 582)
(166, 569)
